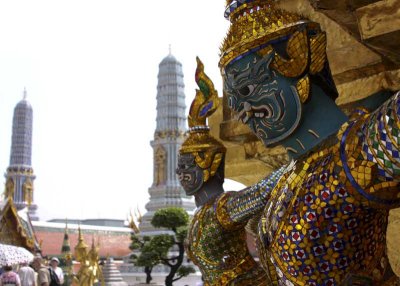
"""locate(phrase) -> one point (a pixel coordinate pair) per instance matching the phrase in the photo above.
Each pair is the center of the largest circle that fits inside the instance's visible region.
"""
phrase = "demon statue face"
(269, 58)
(190, 175)
(265, 100)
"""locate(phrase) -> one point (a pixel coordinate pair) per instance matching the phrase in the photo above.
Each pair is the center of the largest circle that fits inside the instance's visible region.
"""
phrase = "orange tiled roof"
(113, 244)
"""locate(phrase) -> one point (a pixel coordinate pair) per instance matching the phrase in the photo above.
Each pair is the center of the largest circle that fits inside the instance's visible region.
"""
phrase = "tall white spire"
(168, 137)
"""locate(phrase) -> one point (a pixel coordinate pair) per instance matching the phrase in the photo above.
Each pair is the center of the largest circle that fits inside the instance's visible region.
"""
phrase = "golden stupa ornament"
(258, 25)
(208, 151)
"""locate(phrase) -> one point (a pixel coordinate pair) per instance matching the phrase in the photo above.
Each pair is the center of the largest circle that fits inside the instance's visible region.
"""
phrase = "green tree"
(155, 250)
(147, 257)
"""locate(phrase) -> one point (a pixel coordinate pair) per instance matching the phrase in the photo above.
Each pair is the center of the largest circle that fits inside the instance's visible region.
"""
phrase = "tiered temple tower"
(20, 176)
(166, 190)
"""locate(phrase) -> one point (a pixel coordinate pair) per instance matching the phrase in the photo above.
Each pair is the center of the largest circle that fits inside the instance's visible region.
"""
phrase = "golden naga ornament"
(258, 25)
(208, 151)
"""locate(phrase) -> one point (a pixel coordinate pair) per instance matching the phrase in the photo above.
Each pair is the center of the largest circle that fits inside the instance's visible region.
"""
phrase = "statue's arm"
(381, 138)
(234, 209)
(377, 178)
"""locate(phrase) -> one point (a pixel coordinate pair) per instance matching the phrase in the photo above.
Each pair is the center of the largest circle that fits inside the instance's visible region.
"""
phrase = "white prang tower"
(166, 190)
(20, 176)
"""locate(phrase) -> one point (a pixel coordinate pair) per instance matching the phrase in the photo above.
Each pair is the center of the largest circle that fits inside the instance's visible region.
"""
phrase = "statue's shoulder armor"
(369, 154)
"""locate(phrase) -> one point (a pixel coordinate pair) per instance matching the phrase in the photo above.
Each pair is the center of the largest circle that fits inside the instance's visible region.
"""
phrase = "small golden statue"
(89, 272)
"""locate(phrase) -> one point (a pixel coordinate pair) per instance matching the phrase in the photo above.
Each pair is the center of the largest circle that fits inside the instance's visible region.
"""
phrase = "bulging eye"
(246, 90)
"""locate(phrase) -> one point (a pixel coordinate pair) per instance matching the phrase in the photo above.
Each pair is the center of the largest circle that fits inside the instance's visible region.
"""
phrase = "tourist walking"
(43, 277)
(9, 277)
(27, 275)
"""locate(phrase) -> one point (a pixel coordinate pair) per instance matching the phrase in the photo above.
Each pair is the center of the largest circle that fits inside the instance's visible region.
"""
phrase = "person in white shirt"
(54, 265)
(27, 275)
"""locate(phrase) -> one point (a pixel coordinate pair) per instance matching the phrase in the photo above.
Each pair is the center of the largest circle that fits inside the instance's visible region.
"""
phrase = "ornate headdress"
(258, 26)
(207, 150)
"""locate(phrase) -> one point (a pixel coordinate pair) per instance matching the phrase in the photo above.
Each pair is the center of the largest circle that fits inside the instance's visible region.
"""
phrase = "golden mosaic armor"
(325, 221)
(217, 236)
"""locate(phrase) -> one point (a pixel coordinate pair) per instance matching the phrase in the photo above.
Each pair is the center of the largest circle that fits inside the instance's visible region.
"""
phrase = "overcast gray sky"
(90, 69)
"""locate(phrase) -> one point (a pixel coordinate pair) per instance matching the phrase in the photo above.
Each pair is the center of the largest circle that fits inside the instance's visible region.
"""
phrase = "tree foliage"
(156, 250)
(170, 218)
(146, 258)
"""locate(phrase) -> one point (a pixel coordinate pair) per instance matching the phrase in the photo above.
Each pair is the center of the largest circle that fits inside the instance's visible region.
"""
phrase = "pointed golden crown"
(257, 25)
(81, 245)
(199, 139)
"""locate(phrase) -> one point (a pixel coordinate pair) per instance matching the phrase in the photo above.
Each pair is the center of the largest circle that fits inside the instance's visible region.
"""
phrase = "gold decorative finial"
(81, 243)
(135, 220)
(80, 238)
(93, 252)
(138, 214)
(199, 139)
(206, 99)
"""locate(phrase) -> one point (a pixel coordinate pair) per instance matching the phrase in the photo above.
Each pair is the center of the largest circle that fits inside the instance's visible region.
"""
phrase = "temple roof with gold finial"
(16, 227)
